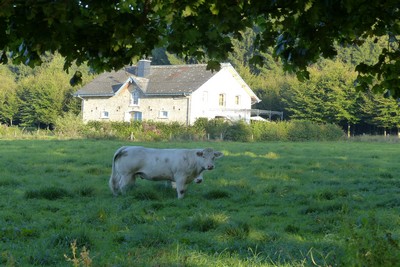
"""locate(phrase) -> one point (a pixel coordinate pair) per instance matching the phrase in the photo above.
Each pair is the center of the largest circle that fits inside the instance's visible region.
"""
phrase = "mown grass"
(265, 204)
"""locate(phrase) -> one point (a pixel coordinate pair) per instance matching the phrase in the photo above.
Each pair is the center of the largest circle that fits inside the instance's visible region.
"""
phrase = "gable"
(106, 84)
(242, 83)
(227, 80)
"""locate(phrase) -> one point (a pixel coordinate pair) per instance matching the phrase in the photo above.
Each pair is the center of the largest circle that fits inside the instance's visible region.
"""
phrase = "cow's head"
(208, 155)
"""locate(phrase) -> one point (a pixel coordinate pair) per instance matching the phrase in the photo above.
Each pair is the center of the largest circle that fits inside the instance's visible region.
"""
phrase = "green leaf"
(214, 9)
(76, 79)
(3, 58)
(256, 60)
(213, 65)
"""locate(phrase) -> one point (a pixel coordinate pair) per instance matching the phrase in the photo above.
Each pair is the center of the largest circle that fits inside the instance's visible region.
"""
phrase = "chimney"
(143, 68)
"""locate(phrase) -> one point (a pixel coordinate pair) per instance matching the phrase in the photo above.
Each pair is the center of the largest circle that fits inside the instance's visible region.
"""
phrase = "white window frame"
(136, 116)
(135, 95)
(105, 114)
(238, 99)
(163, 114)
(223, 102)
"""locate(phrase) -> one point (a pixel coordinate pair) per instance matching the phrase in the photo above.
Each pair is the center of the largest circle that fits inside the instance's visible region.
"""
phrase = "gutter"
(91, 95)
(167, 94)
(78, 96)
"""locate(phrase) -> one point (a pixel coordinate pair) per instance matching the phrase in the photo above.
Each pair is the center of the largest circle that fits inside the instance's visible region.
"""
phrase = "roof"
(163, 80)
(177, 79)
(106, 84)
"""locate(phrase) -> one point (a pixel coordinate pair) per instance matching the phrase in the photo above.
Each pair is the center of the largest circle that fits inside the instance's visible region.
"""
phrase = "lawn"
(265, 204)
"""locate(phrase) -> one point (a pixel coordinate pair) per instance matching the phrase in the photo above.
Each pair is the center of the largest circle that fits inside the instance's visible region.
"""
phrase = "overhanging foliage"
(111, 34)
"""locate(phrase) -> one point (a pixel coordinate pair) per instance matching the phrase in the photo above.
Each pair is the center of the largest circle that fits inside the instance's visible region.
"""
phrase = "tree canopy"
(110, 34)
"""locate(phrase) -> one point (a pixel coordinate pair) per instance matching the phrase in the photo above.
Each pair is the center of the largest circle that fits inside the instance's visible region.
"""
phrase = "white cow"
(181, 166)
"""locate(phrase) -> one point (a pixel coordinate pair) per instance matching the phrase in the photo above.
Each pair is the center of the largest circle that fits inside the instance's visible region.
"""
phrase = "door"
(136, 115)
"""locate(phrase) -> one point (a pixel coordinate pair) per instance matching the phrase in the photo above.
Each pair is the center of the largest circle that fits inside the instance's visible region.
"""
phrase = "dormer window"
(135, 98)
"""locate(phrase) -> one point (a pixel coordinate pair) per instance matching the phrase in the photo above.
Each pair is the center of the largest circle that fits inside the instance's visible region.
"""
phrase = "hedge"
(71, 126)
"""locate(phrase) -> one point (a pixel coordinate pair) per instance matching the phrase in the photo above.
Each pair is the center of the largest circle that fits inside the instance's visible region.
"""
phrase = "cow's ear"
(218, 154)
(199, 153)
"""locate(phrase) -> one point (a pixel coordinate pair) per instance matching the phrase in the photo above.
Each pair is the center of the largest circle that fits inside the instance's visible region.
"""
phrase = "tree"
(328, 96)
(8, 97)
(46, 94)
(388, 114)
(110, 34)
(41, 103)
(336, 80)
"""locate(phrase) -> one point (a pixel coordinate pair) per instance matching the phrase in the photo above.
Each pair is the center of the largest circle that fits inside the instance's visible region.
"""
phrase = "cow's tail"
(115, 177)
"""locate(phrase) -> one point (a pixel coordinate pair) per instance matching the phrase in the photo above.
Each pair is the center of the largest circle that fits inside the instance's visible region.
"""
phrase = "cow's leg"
(169, 184)
(173, 184)
(180, 188)
(125, 180)
(114, 183)
(199, 179)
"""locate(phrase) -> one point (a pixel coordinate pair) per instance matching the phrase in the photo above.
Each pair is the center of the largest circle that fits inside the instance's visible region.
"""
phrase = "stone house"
(167, 93)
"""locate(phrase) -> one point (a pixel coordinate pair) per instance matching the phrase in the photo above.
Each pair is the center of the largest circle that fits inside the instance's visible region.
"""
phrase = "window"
(105, 114)
(136, 115)
(163, 114)
(222, 100)
(237, 100)
(135, 98)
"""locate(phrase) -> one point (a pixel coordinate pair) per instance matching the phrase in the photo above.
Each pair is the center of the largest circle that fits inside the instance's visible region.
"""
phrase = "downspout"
(188, 110)
(82, 104)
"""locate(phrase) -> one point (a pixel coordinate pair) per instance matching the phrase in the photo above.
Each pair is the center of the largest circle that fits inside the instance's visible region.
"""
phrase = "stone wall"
(120, 108)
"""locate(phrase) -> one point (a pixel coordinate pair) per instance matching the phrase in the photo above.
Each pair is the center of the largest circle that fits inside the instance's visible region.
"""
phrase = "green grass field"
(265, 204)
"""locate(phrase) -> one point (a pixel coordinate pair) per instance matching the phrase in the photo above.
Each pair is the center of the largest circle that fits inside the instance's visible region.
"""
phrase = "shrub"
(99, 130)
(201, 124)
(270, 131)
(238, 131)
(9, 131)
(216, 128)
(303, 131)
(332, 132)
(69, 124)
(298, 130)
